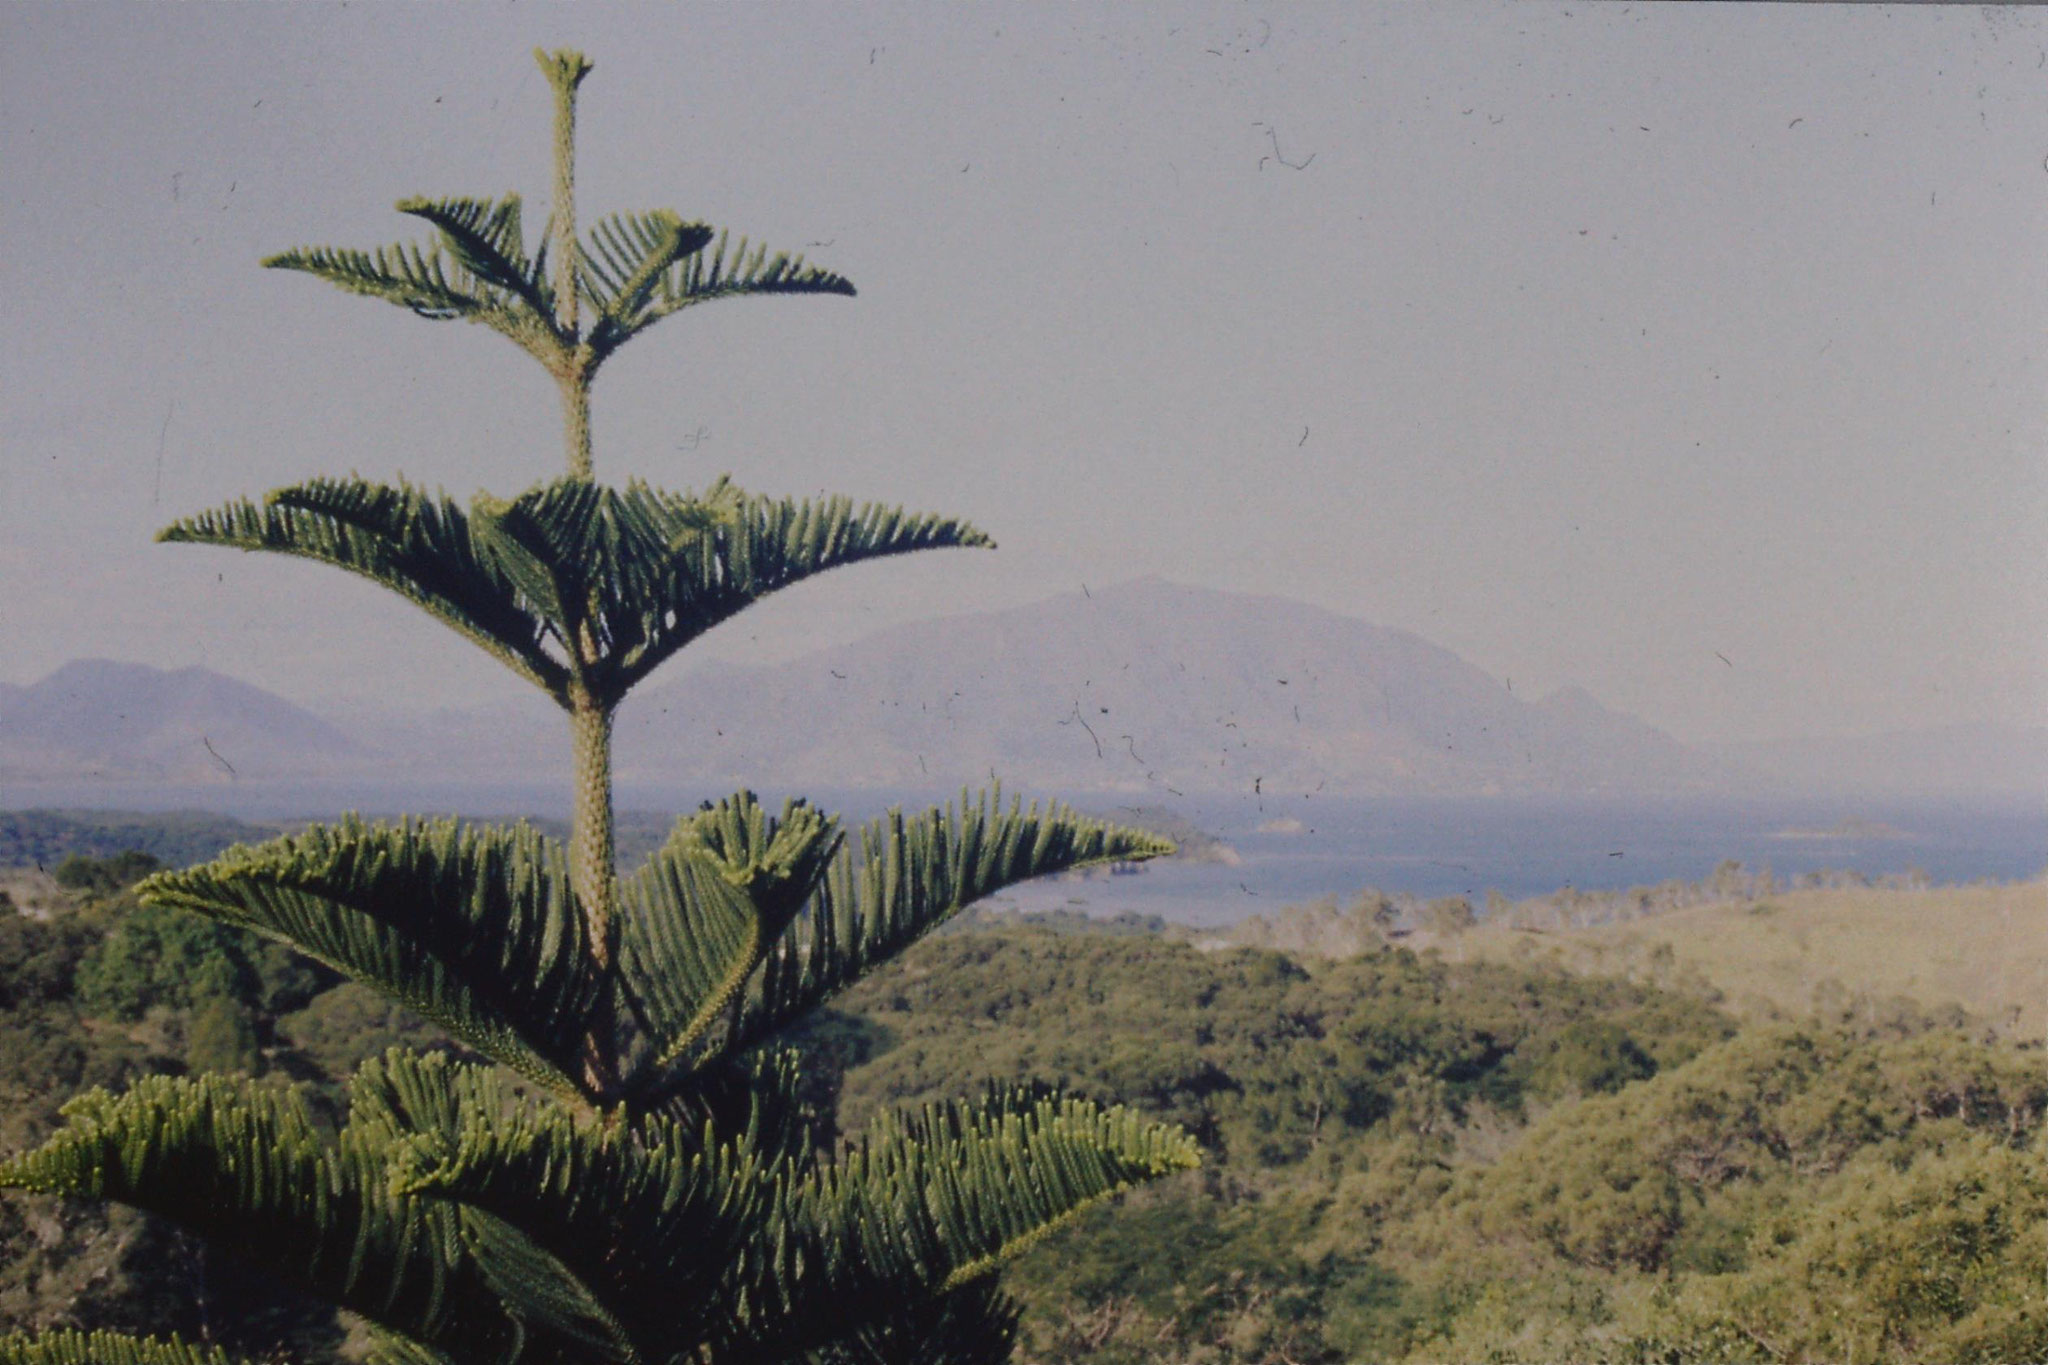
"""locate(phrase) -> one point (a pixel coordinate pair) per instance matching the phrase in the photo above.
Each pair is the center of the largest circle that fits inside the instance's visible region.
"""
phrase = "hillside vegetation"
(1408, 1158)
(1414, 1159)
(1832, 943)
(44, 838)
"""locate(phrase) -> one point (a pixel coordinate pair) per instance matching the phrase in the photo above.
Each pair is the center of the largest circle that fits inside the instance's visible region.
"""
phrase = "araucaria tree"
(615, 1169)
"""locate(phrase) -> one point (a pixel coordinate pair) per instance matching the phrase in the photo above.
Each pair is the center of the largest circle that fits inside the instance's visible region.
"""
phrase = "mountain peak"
(112, 719)
(1145, 685)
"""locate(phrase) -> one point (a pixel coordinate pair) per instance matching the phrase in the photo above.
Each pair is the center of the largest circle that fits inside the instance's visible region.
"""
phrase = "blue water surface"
(1294, 850)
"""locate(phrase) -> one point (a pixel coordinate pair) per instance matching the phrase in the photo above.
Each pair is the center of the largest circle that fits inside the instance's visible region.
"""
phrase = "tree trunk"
(576, 425)
(565, 75)
(565, 71)
(593, 875)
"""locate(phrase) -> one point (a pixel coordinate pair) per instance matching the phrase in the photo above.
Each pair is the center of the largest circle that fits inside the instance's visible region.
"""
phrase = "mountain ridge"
(104, 719)
(1143, 686)
(1151, 685)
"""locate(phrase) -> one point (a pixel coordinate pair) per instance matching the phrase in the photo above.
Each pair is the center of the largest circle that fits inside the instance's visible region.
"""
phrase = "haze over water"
(1424, 847)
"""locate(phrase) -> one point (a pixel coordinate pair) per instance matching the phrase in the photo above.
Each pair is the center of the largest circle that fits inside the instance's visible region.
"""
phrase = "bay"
(1274, 852)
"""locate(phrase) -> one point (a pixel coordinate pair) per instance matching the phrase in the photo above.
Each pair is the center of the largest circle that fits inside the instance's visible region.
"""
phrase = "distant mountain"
(94, 718)
(1148, 686)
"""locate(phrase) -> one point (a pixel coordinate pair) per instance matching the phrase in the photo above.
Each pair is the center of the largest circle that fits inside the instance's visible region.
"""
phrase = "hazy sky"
(1692, 353)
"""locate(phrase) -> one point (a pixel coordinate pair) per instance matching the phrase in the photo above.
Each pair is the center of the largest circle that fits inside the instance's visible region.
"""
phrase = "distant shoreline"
(1242, 854)
(1853, 829)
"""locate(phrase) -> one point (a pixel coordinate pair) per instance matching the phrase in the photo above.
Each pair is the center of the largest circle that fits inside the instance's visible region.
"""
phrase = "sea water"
(1273, 852)
(1290, 853)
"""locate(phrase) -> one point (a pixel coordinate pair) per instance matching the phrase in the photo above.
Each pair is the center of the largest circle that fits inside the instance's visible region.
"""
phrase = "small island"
(1853, 828)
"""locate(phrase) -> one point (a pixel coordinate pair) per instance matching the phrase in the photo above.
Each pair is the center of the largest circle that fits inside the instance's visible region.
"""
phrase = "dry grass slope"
(1983, 947)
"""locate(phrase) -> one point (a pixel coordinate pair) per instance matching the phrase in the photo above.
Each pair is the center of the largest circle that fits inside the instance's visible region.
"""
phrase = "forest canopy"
(1405, 1158)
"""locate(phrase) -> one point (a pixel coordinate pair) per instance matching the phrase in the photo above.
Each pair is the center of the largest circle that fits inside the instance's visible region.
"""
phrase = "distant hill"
(44, 838)
(94, 718)
(1145, 688)
(1148, 686)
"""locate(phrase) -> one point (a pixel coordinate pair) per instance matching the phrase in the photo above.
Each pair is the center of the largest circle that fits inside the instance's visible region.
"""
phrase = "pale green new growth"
(105, 1348)
(627, 1175)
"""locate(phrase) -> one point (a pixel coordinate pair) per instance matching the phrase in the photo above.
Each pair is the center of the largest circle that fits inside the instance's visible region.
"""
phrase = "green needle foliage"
(104, 1348)
(622, 1168)
(574, 586)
